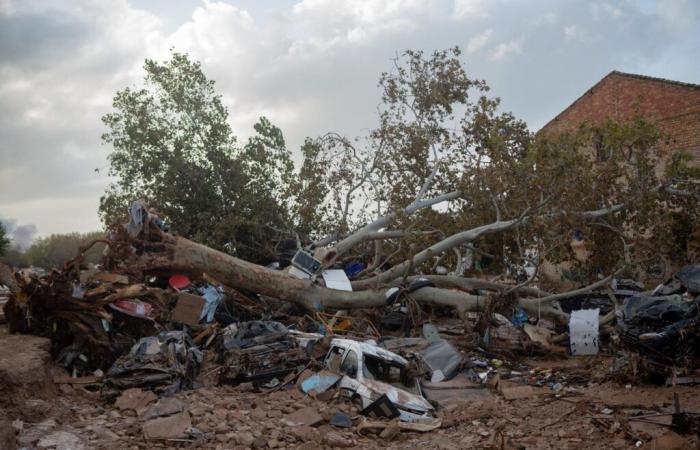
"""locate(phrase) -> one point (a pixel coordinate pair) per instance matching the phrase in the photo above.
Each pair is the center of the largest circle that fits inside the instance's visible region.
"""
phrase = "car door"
(349, 368)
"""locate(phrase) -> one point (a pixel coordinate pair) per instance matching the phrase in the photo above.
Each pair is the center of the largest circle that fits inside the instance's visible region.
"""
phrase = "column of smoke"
(21, 236)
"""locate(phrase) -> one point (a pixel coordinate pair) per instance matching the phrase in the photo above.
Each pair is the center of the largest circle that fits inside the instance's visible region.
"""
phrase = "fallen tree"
(161, 252)
(445, 179)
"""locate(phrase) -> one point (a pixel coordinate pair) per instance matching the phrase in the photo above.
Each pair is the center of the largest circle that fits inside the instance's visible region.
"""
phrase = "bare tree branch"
(459, 239)
(360, 235)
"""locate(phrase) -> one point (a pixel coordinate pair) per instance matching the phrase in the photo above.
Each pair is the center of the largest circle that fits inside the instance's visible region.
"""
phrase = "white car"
(370, 371)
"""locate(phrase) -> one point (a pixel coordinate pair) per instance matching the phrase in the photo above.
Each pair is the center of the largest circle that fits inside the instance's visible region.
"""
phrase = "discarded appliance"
(336, 279)
(306, 263)
(583, 331)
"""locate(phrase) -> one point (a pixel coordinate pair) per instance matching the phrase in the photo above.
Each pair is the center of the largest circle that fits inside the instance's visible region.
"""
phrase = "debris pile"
(164, 363)
(664, 325)
(149, 323)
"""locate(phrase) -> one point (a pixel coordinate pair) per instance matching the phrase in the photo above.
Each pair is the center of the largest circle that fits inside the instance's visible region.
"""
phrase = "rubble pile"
(174, 356)
(90, 315)
(664, 325)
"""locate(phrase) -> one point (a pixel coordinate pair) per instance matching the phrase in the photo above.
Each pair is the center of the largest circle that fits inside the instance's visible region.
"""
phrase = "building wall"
(674, 107)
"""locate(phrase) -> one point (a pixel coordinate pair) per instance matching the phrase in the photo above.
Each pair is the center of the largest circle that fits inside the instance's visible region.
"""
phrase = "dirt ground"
(577, 406)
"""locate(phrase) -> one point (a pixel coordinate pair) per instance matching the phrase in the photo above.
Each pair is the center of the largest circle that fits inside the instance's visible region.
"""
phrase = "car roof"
(370, 348)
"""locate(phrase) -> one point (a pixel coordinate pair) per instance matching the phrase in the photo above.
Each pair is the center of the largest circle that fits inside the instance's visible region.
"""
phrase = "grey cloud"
(310, 69)
(38, 39)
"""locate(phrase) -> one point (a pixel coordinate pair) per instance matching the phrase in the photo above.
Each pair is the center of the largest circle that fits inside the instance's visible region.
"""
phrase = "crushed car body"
(370, 373)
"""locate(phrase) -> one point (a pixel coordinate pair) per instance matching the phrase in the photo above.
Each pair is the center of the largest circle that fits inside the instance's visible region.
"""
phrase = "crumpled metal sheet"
(443, 359)
(320, 382)
(259, 350)
(165, 363)
(689, 277)
(247, 334)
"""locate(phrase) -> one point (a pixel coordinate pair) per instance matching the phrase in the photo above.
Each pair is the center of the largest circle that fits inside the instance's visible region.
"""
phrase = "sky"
(310, 66)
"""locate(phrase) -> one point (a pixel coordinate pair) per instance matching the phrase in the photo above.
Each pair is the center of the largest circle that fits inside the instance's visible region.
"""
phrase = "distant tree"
(4, 240)
(54, 250)
(172, 146)
(14, 258)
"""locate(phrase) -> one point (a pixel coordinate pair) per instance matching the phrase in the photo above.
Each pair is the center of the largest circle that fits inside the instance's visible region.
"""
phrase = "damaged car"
(259, 351)
(370, 374)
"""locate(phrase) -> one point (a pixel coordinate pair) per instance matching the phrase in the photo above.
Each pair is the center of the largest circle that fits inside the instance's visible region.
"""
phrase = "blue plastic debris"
(320, 382)
(354, 268)
(212, 295)
(341, 420)
(520, 317)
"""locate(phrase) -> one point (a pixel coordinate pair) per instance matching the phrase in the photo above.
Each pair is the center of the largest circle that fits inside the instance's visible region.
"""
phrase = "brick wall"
(674, 107)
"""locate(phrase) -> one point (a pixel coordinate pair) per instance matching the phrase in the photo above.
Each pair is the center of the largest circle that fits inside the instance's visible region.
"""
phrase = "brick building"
(672, 105)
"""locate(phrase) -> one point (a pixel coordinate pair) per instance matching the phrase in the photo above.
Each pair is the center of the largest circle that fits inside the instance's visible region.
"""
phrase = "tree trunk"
(182, 255)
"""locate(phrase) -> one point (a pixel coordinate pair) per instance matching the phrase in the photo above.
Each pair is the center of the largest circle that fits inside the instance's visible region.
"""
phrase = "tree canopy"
(507, 197)
(440, 132)
(4, 240)
(172, 146)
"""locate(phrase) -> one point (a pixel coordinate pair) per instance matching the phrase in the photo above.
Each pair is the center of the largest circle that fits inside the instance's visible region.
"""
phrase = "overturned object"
(259, 350)
(165, 363)
(370, 372)
(685, 280)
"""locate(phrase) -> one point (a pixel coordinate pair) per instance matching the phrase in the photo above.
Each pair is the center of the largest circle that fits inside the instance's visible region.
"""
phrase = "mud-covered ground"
(587, 410)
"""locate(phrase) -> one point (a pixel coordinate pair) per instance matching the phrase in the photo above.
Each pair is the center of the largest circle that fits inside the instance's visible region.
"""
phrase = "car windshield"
(335, 356)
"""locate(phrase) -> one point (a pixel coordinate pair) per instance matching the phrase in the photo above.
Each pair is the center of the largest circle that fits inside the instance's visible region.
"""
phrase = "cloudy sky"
(311, 66)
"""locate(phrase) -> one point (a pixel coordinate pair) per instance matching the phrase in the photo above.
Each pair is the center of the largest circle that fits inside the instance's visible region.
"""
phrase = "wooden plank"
(77, 380)
(188, 309)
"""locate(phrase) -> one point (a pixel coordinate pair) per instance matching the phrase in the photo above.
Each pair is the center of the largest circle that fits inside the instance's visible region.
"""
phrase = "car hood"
(398, 396)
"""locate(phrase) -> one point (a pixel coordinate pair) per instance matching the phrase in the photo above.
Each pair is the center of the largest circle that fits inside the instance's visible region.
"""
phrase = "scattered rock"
(164, 407)
(390, 432)
(175, 426)
(337, 440)
(245, 438)
(135, 399)
(517, 392)
(246, 387)
(105, 434)
(61, 440)
(305, 433)
(305, 416)
(258, 414)
(669, 441)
